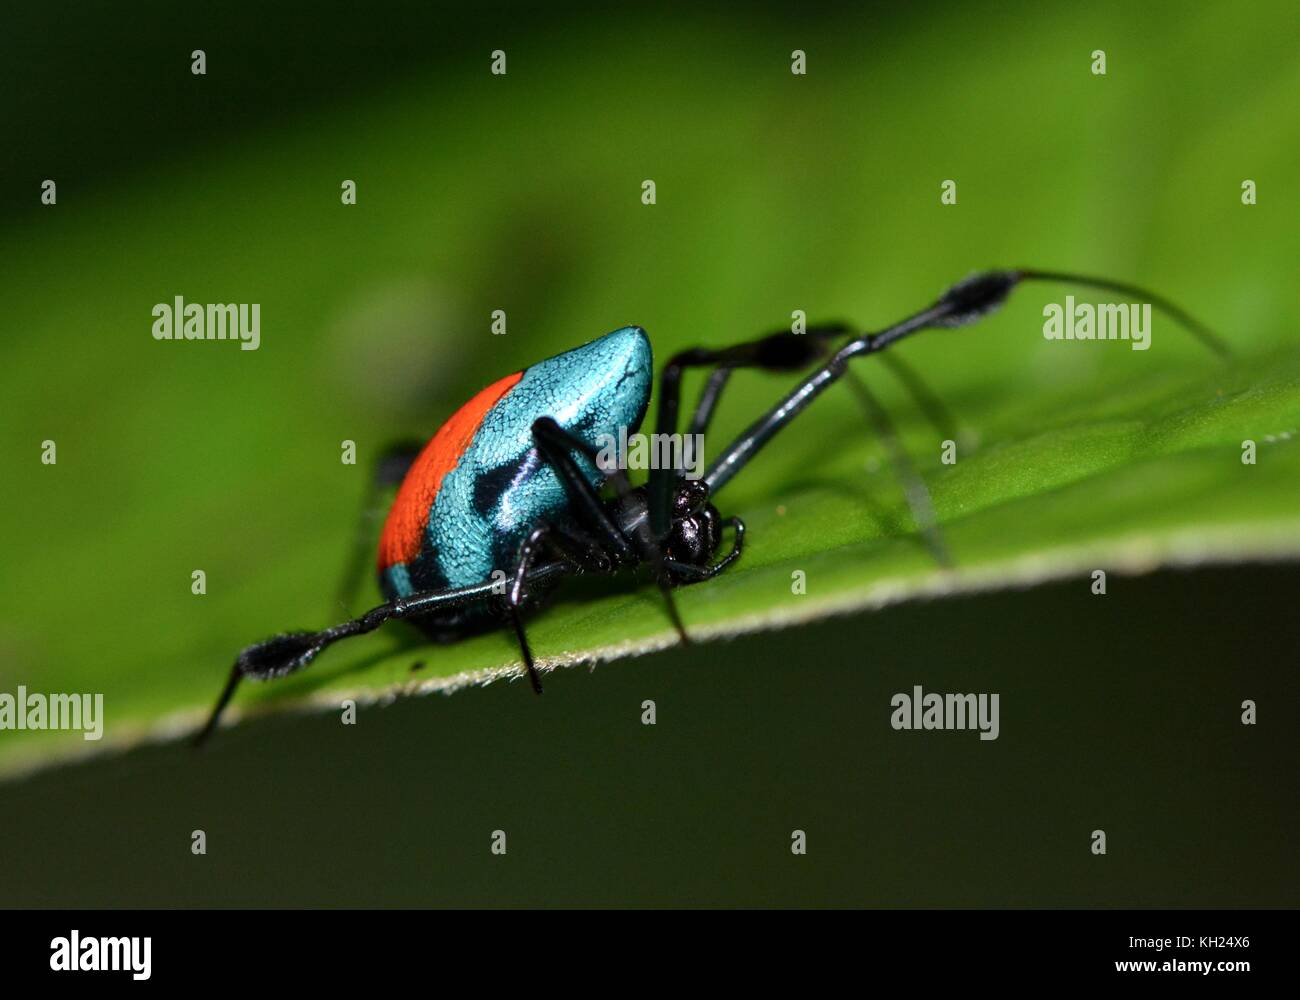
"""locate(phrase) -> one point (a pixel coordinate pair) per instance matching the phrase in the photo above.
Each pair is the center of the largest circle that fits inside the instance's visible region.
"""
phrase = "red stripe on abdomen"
(404, 529)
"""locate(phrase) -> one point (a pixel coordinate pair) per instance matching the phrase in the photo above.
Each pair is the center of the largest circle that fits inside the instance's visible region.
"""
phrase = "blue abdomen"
(500, 488)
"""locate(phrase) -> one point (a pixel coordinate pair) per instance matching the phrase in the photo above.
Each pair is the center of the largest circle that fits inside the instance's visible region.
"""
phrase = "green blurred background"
(522, 193)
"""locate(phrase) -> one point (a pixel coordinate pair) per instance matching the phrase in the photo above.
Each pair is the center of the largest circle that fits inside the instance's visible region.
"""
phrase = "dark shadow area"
(1120, 713)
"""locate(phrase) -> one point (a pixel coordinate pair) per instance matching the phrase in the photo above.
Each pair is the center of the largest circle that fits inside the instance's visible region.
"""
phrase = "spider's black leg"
(708, 400)
(962, 304)
(578, 554)
(783, 351)
(765, 352)
(389, 471)
(1178, 314)
(557, 445)
(290, 652)
(930, 405)
(914, 488)
(777, 352)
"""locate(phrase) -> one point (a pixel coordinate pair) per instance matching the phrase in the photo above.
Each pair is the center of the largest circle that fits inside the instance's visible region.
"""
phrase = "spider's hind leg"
(290, 652)
(577, 553)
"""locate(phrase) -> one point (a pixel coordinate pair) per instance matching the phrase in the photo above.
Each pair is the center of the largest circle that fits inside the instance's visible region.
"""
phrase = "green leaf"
(175, 457)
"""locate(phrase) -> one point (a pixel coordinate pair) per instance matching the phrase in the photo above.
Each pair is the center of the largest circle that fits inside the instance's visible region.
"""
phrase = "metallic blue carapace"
(479, 486)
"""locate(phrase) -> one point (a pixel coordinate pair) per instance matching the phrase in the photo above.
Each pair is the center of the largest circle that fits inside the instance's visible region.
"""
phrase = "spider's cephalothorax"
(505, 499)
(696, 529)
